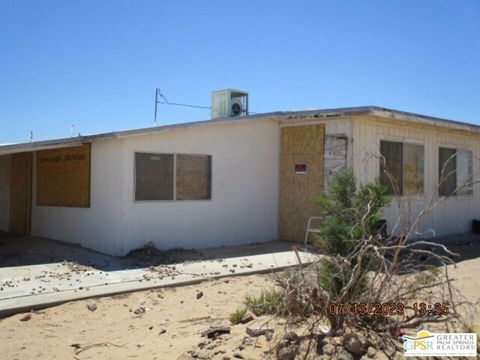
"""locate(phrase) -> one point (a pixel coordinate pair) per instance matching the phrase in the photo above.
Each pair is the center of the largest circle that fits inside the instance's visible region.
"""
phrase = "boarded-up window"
(402, 167)
(464, 172)
(153, 176)
(455, 172)
(413, 169)
(391, 166)
(63, 177)
(193, 177)
(334, 156)
(172, 176)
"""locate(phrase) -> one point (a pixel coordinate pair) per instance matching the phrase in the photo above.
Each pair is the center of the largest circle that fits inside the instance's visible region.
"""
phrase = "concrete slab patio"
(37, 273)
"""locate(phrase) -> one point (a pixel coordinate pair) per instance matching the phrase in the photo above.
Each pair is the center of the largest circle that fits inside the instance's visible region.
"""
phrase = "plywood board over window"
(193, 177)
(63, 177)
(20, 193)
(154, 175)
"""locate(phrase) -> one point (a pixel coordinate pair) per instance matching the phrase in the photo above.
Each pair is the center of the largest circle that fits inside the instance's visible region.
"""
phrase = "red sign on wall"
(300, 169)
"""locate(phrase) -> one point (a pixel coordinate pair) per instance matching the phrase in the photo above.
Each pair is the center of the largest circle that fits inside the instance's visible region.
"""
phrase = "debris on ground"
(246, 318)
(139, 311)
(216, 330)
(76, 267)
(259, 327)
(92, 306)
(150, 254)
(26, 317)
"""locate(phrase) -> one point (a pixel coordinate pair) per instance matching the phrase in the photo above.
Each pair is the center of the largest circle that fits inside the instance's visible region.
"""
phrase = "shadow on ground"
(29, 250)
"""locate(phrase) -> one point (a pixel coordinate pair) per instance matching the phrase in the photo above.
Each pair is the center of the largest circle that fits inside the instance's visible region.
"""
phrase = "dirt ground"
(158, 324)
(171, 323)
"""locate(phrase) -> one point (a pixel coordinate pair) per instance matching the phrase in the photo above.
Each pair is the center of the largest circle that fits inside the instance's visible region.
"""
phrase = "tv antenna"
(160, 98)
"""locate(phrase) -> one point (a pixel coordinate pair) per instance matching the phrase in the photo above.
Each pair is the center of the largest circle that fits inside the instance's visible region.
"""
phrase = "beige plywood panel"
(63, 177)
(20, 193)
(193, 177)
(300, 145)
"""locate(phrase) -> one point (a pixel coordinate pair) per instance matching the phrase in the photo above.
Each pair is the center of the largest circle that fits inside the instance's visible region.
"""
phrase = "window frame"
(174, 176)
(457, 147)
(404, 141)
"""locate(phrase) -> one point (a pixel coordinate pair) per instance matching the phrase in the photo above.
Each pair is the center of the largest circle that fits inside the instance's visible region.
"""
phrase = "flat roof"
(280, 115)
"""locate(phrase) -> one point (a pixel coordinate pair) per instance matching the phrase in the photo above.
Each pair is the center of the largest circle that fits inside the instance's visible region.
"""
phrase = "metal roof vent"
(229, 103)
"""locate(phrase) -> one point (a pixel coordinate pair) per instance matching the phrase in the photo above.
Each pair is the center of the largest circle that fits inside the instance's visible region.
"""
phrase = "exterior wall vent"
(229, 103)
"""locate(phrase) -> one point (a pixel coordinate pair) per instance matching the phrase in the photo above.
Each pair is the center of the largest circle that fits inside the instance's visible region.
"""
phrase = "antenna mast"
(159, 95)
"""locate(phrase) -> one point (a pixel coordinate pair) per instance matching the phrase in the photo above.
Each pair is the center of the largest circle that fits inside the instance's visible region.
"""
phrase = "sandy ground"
(170, 325)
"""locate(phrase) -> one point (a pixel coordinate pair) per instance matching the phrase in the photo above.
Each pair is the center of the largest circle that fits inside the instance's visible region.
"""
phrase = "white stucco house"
(230, 180)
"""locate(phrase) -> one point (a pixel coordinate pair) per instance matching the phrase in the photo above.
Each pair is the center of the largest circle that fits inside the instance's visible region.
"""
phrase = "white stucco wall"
(455, 214)
(4, 191)
(100, 227)
(243, 208)
(245, 187)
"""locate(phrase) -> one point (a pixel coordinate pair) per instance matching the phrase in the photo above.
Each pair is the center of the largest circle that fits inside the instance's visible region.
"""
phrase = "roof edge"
(318, 113)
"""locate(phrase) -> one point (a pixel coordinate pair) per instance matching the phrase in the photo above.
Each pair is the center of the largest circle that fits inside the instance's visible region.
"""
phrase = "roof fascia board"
(425, 120)
(283, 117)
(36, 146)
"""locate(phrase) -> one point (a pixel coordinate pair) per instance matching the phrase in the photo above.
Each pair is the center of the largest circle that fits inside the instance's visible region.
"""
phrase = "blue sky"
(96, 63)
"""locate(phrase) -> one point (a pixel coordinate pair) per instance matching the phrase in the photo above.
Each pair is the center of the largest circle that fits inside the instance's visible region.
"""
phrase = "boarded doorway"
(301, 177)
(20, 193)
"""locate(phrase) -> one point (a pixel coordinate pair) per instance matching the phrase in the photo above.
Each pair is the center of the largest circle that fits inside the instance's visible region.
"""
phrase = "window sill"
(169, 201)
(458, 197)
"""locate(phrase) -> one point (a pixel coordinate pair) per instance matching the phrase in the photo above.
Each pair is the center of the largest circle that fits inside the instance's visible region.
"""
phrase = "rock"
(371, 351)
(26, 317)
(139, 311)
(199, 294)
(255, 331)
(203, 355)
(246, 341)
(246, 318)
(92, 307)
(292, 337)
(214, 331)
(328, 349)
(352, 344)
(336, 340)
(269, 336)
(397, 356)
(286, 353)
(325, 330)
(238, 355)
(200, 354)
(162, 331)
(185, 357)
(343, 354)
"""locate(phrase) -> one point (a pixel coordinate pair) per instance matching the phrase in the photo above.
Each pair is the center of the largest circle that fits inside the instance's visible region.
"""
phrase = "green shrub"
(268, 302)
(350, 214)
(237, 315)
